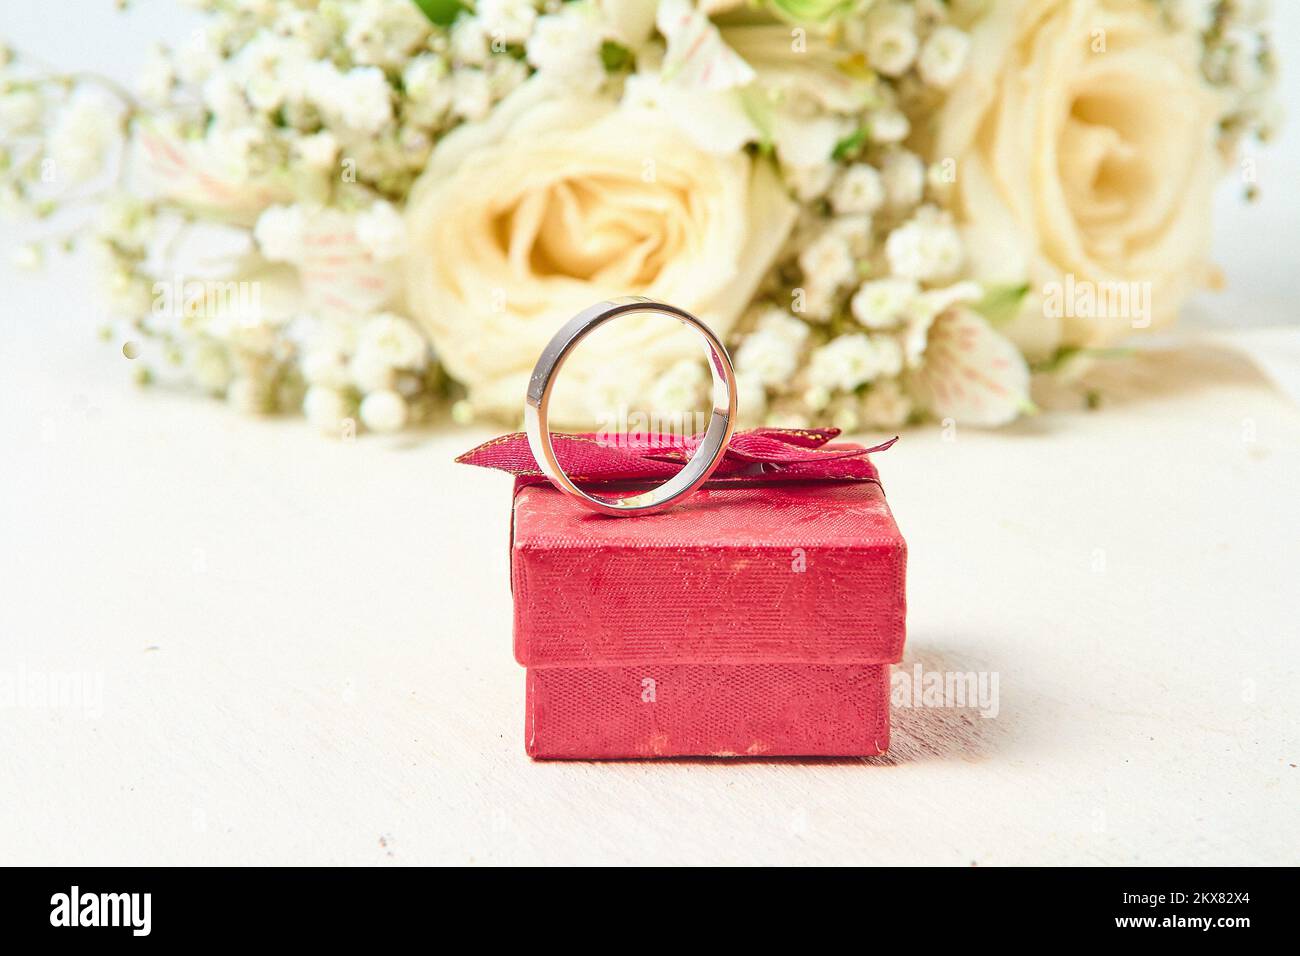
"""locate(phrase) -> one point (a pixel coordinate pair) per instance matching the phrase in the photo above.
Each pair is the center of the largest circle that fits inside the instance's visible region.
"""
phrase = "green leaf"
(849, 144)
(615, 56)
(1001, 303)
(441, 12)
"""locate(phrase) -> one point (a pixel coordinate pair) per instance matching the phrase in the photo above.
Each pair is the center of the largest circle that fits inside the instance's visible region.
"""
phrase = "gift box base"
(716, 710)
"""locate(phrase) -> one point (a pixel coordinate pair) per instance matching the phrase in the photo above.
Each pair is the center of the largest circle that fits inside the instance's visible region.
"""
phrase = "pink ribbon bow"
(760, 454)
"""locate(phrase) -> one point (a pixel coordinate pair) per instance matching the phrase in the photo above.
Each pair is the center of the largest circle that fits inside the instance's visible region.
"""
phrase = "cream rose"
(555, 202)
(1085, 160)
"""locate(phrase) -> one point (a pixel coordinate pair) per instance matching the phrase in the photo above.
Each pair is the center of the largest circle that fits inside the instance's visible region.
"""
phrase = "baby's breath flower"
(768, 357)
(927, 247)
(886, 405)
(249, 395)
(508, 21)
(859, 189)
(943, 57)
(680, 388)
(827, 262)
(382, 230)
(903, 175)
(883, 303)
(279, 232)
(809, 182)
(566, 46)
(891, 38)
(384, 411)
(888, 126)
(846, 362)
(326, 408)
(396, 340)
(319, 150)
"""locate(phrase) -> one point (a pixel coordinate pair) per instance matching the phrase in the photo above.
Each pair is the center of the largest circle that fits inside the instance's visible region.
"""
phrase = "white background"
(304, 645)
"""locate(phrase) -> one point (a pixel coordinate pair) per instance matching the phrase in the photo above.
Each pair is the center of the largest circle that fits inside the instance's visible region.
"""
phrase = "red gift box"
(757, 618)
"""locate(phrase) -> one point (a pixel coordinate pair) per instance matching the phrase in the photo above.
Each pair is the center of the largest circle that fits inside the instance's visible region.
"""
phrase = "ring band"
(712, 446)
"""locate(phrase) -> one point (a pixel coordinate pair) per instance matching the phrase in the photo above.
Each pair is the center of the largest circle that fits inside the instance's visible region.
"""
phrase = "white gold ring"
(707, 455)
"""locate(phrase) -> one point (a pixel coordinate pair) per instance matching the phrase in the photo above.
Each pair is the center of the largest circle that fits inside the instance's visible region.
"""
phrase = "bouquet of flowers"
(369, 210)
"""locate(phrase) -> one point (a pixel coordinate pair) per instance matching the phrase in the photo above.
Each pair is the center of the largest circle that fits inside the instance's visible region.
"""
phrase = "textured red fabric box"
(752, 620)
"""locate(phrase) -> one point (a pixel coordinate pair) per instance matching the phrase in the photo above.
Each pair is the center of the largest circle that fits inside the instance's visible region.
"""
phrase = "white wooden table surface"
(297, 650)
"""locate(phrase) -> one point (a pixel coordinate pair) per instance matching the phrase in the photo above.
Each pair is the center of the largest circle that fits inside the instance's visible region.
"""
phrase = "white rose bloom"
(558, 201)
(326, 408)
(883, 303)
(926, 248)
(903, 174)
(844, 363)
(943, 57)
(508, 20)
(384, 411)
(1102, 167)
(891, 38)
(566, 47)
(768, 357)
(382, 230)
(858, 190)
(279, 233)
(827, 261)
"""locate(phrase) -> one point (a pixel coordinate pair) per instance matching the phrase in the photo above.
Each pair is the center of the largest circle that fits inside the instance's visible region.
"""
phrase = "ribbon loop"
(780, 454)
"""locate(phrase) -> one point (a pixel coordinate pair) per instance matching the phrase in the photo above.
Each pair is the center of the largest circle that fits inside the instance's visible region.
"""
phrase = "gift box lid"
(770, 573)
(792, 555)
